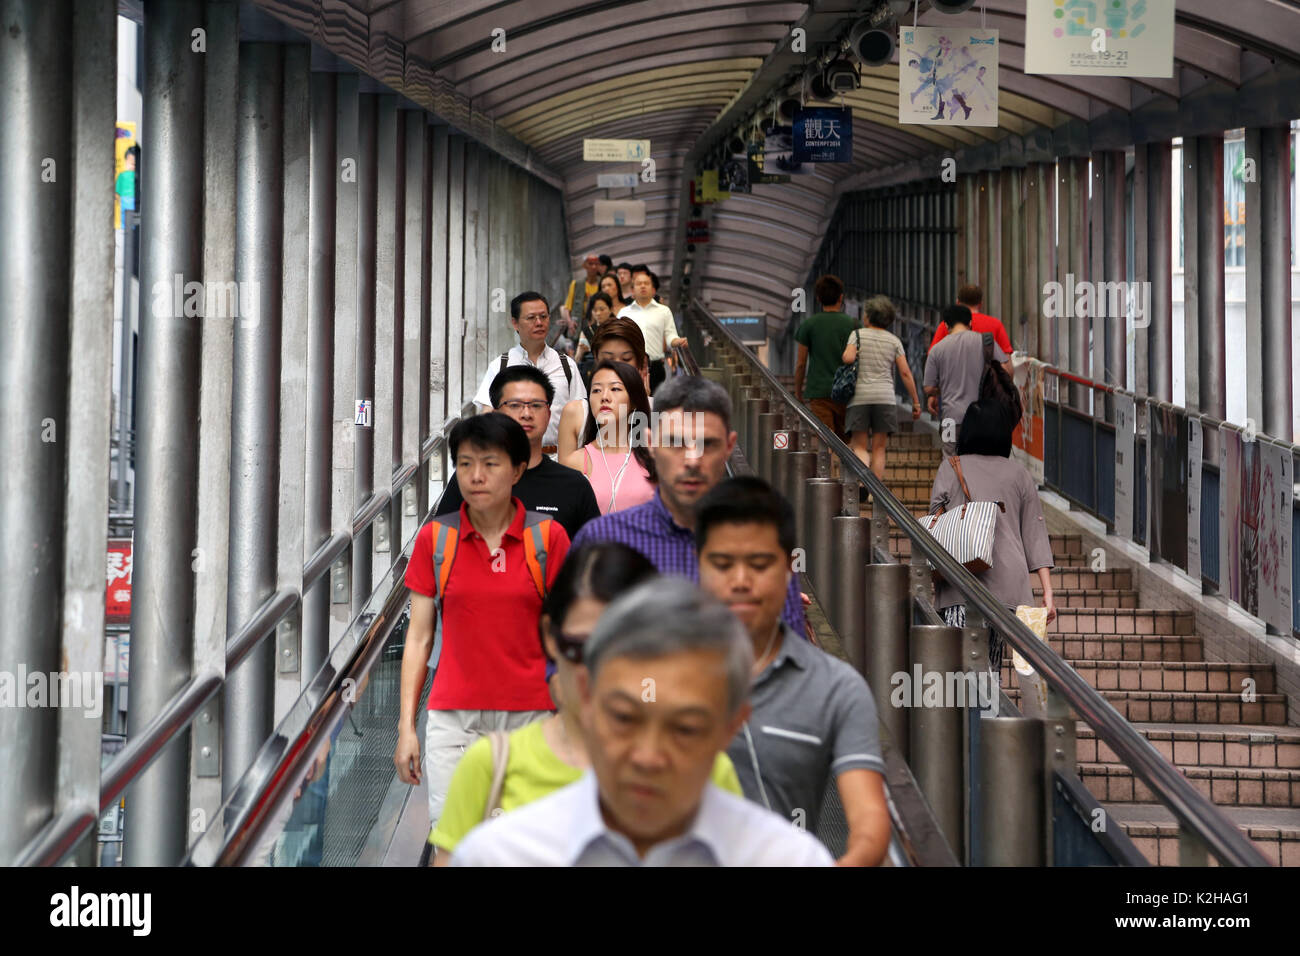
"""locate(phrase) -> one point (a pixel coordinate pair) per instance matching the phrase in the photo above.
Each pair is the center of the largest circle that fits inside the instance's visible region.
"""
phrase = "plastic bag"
(1033, 688)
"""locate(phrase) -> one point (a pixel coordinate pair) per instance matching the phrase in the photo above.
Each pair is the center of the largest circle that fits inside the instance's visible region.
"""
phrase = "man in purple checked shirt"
(691, 441)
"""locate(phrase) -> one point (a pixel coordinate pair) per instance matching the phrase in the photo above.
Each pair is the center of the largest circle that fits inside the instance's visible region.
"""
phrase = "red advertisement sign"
(117, 598)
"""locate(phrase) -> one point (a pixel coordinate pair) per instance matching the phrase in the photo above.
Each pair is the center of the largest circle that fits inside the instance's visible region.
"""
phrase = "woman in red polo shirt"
(497, 559)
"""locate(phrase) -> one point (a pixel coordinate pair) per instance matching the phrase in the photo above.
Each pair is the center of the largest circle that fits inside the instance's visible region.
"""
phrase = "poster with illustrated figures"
(1100, 37)
(1255, 492)
(948, 76)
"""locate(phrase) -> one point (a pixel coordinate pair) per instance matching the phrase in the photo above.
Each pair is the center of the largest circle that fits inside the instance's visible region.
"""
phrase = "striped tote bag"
(966, 532)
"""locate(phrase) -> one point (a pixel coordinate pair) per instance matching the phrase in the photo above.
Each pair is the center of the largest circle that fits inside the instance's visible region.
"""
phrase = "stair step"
(1206, 745)
(1226, 786)
(1170, 676)
(1091, 620)
(1074, 577)
(1154, 830)
(1190, 708)
(1091, 597)
(1127, 647)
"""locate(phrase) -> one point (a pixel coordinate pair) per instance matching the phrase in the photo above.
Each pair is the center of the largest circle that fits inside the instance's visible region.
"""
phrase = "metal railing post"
(1012, 827)
(851, 541)
(886, 621)
(936, 733)
(768, 422)
(821, 505)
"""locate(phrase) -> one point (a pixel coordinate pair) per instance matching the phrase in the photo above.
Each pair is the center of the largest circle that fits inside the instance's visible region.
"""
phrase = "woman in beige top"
(873, 409)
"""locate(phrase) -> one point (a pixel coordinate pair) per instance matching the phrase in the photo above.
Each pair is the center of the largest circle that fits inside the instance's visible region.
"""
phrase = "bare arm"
(862, 792)
(800, 368)
(850, 350)
(569, 435)
(415, 666)
(909, 383)
(1045, 582)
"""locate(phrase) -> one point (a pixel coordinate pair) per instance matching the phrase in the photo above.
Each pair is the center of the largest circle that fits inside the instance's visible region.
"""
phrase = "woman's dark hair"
(625, 330)
(996, 386)
(986, 429)
(616, 296)
(592, 300)
(639, 404)
(602, 571)
(491, 430)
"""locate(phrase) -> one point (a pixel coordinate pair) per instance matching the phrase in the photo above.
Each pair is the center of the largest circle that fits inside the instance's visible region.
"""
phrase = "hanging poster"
(1100, 37)
(823, 134)
(1167, 484)
(709, 191)
(948, 76)
(1125, 463)
(1195, 454)
(125, 182)
(757, 174)
(117, 593)
(734, 176)
(778, 153)
(1028, 440)
(1274, 535)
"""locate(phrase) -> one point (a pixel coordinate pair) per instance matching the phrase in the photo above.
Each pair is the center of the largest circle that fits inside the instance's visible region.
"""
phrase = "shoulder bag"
(967, 533)
(845, 382)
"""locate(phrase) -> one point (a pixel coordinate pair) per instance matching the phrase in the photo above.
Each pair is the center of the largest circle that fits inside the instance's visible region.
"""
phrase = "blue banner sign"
(823, 134)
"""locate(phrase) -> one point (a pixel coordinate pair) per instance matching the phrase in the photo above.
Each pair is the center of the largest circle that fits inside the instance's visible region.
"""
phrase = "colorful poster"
(948, 76)
(778, 153)
(1232, 583)
(1255, 496)
(757, 173)
(1100, 37)
(1275, 498)
(734, 175)
(125, 182)
(1125, 463)
(1167, 484)
(709, 191)
(1028, 441)
(823, 134)
(1195, 455)
(117, 597)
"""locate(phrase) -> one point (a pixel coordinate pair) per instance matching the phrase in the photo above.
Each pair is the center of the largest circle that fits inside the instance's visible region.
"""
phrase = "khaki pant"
(446, 736)
(830, 413)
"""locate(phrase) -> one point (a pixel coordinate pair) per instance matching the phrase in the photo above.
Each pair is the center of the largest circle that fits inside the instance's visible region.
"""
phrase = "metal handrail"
(61, 835)
(1191, 807)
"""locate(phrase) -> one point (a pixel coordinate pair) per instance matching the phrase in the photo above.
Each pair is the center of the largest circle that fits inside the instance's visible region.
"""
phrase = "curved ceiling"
(684, 73)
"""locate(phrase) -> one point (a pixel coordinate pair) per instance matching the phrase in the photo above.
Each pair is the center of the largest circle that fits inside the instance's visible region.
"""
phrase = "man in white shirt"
(655, 321)
(665, 688)
(530, 315)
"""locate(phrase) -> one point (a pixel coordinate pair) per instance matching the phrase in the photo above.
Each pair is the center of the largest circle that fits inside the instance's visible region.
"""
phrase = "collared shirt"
(548, 488)
(549, 365)
(813, 718)
(567, 829)
(491, 658)
(650, 529)
(655, 322)
(955, 367)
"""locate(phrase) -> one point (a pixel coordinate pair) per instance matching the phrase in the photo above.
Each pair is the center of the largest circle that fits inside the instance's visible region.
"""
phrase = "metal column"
(442, 400)
(321, 213)
(1012, 822)
(255, 405)
(475, 324)
(1211, 372)
(459, 390)
(363, 462)
(1160, 225)
(415, 317)
(1115, 243)
(389, 184)
(1274, 253)
(168, 405)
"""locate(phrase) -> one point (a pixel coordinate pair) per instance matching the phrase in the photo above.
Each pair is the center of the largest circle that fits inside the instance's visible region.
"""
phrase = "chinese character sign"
(948, 76)
(823, 134)
(1100, 37)
(117, 598)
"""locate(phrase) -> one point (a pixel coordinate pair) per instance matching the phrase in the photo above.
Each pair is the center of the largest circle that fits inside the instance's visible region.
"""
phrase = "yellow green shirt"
(533, 771)
(590, 288)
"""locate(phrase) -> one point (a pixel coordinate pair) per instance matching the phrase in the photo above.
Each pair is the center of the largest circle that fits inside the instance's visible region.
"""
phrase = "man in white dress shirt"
(655, 321)
(665, 688)
(530, 316)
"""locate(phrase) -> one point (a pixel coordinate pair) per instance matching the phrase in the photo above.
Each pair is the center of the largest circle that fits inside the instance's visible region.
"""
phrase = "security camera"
(841, 76)
(873, 43)
(818, 88)
(952, 6)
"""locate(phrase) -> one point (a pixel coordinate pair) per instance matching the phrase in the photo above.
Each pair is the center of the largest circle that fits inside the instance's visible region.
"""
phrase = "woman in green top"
(549, 754)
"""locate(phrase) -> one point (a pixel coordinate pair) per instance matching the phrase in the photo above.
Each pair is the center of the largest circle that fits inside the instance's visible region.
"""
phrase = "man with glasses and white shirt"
(530, 316)
(664, 688)
(655, 321)
(547, 487)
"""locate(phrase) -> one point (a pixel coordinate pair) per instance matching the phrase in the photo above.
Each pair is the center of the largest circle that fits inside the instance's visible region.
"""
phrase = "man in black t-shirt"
(547, 487)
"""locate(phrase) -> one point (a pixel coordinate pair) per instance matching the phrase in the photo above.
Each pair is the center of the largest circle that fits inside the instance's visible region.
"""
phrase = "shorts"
(873, 418)
(830, 414)
(447, 735)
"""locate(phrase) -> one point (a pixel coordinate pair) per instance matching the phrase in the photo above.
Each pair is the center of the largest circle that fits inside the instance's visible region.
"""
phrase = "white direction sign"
(615, 150)
(616, 181)
(619, 212)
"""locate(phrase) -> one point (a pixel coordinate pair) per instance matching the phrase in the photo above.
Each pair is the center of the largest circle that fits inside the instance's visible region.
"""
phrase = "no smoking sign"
(780, 441)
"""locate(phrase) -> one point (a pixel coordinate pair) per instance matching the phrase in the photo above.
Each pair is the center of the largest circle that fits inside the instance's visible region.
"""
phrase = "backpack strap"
(568, 372)
(988, 345)
(505, 360)
(499, 747)
(537, 535)
(446, 537)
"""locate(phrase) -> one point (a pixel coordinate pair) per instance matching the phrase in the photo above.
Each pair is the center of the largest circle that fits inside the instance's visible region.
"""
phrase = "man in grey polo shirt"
(813, 715)
(953, 371)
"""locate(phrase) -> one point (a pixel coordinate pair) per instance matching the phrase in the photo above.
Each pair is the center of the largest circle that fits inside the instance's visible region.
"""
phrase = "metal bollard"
(1013, 830)
(752, 406)
(847, 613)
(712, 373)
(823, 504)
(768, 422)
(800, 467)
(887, 618)
(936, 731)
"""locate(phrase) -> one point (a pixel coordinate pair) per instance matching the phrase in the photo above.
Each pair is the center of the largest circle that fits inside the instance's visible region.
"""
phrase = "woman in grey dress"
(1020, 543)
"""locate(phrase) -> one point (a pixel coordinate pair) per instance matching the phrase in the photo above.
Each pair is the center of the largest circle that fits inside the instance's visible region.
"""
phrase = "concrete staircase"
(1221, 723)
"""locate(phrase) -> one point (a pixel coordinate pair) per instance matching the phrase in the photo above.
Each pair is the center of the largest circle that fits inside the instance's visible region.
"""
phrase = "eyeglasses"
(569, 645)
(536, 319)
(515, 405)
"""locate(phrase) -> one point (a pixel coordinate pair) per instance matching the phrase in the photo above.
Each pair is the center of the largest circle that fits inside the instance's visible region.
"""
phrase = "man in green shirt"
(821, 339)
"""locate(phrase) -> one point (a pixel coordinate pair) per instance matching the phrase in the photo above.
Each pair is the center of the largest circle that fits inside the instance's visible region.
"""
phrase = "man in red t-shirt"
(972, 296)
(491, 672)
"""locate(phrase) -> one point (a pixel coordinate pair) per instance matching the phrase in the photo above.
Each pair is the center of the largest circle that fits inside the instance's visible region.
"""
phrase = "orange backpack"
(537, 534)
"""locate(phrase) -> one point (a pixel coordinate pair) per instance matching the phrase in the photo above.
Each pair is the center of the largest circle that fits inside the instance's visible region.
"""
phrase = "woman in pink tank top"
(613, 453)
